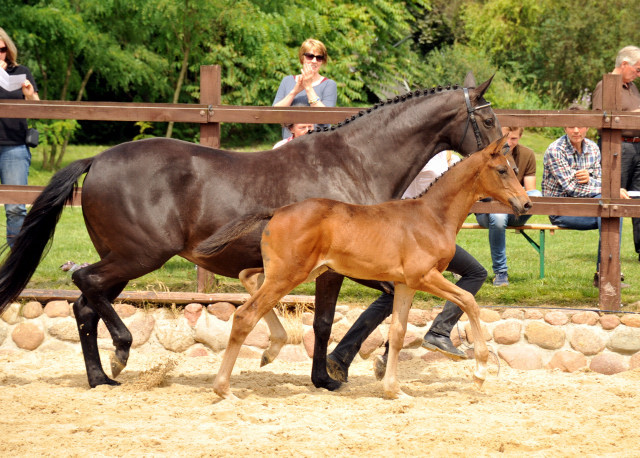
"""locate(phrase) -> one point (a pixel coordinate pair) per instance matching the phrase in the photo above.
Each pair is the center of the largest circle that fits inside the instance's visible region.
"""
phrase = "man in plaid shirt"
(572, 168)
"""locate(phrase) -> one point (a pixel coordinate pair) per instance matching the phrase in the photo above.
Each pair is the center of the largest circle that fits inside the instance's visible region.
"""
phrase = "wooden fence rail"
(209, 113)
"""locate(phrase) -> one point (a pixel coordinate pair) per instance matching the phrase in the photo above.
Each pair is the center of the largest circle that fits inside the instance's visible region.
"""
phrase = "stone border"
(523, 338)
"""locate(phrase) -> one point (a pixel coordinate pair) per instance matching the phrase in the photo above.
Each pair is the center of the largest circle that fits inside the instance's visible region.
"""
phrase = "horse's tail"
(230, 232)
(37, 231)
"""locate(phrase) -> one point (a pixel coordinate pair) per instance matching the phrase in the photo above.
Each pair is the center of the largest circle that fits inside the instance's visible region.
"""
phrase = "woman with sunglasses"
(15, 156)
(309, 88)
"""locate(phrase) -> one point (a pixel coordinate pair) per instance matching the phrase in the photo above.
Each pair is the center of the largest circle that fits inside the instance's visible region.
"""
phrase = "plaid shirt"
(562, 161)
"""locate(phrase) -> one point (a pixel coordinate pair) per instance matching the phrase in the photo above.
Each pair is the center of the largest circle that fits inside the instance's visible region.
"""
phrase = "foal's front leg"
(435, 283)
(401, 305)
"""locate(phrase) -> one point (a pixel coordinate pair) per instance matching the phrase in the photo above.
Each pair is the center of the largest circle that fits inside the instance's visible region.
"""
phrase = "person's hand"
(27, 89)
(307, 75)
(582, 176)
(624, 194)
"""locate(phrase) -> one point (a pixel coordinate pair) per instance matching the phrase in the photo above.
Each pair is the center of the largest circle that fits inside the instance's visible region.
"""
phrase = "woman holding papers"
(15, 156)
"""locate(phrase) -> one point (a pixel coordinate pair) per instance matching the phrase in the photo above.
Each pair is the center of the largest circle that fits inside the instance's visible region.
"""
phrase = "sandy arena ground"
(166, 407)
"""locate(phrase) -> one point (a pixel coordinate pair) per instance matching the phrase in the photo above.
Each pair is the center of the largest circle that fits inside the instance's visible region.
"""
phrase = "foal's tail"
(37, 231)
(230, 232)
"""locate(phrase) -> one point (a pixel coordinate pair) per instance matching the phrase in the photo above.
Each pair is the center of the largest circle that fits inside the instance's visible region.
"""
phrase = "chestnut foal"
(408, 242)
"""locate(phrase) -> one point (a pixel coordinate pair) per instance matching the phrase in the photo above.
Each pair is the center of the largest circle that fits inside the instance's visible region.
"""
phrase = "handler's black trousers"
(630, 180)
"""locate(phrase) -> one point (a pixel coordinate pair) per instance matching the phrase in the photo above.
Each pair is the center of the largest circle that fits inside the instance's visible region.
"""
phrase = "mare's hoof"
(104, 381)
(117, 365)
(336, 369)
(478, 381)
(380, 366)
(328, 384)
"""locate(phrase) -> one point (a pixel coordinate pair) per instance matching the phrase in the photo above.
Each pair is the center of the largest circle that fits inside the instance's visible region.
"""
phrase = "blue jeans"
(14, 170)
(497, 224)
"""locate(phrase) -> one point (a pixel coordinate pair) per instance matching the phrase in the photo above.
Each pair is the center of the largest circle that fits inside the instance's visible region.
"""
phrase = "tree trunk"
(176, 94)
(67, 137)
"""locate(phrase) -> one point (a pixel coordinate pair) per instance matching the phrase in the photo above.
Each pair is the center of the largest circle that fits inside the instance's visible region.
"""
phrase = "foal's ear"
(500, 146)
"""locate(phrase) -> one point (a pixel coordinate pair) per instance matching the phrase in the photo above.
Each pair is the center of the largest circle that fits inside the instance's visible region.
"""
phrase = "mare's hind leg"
(87, 321)
(252, 280)
(244, 320)
(100, 284)
(401, 306)
(327, 290)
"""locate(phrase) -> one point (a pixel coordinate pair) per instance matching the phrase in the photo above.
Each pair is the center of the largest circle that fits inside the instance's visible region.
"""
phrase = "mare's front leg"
(435, 283)
(401, 306)
(252, 280)
(327, 290)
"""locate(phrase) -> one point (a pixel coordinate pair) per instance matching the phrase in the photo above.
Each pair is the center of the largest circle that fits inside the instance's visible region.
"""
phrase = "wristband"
(314, 101)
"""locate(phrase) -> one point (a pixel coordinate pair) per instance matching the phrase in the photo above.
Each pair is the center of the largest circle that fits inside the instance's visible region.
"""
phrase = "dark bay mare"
(408, 242)
(144, 202)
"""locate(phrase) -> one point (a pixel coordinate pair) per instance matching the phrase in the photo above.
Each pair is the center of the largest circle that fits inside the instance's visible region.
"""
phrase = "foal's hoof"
(336, 369)
(117, 365)
(265, 359)
(478, 381)
(380, 366)
(396, 394)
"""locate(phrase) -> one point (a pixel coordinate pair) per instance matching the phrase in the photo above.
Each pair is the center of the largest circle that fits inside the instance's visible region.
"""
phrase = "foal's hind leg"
(401, 305)
(87, 321)
(252, 279)
(244, 320)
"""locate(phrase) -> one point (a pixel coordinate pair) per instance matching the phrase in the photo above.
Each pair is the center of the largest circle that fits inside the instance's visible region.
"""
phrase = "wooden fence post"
(210, 94)
(609, 295)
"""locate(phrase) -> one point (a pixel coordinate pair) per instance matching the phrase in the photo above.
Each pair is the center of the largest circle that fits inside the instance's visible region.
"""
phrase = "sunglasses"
(309, 56)
(3, 49)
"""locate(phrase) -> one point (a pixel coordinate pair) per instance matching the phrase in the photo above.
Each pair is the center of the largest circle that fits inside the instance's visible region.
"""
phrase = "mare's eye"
(489, 122)
(502, 170)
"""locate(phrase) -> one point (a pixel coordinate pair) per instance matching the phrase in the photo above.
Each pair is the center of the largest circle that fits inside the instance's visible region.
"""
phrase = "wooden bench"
(539, 247)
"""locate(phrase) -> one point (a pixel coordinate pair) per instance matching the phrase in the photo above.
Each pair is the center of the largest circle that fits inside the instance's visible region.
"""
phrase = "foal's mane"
(397, 99)
(438, 178)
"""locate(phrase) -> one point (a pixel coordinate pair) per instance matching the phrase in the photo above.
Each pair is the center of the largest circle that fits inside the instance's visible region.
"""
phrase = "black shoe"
(435, 342)
(596, 281)
(336, 369)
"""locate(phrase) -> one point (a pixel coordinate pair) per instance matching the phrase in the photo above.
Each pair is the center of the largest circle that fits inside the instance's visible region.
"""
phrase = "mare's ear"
(469, 80)
(480, 90)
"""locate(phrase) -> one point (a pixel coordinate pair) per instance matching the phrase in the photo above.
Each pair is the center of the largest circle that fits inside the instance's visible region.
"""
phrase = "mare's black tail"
(37, 231)
(230, 232)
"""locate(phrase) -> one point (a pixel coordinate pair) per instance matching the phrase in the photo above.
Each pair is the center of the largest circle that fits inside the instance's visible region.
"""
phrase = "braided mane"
(397, 99)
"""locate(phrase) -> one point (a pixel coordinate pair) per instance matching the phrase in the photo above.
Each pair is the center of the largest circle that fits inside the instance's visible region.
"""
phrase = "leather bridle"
(471, 118)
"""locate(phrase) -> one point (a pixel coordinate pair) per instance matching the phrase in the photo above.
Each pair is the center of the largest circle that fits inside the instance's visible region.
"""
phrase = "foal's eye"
(502, 170)
(489, 122)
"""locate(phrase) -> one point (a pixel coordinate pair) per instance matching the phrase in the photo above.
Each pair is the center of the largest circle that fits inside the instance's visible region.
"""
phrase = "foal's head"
(498, 180)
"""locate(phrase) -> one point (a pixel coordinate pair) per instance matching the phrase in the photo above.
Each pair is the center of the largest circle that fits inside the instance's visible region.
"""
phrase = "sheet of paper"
(11, 82)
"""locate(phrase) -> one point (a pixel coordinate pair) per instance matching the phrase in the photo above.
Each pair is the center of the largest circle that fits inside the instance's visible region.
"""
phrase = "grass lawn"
(569, 269)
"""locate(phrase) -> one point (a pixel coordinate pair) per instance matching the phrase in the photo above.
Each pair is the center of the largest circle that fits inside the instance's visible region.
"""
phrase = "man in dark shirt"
(628, 66)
